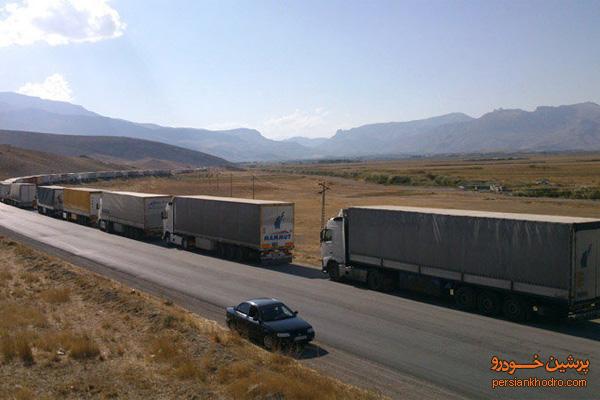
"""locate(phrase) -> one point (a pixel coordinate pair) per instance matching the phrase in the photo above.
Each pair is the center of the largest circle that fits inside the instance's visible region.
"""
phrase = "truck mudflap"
(585, 311)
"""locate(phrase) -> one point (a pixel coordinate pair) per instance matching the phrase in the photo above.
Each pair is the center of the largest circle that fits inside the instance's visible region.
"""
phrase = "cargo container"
(81, 205)
(516, 264)
(132, 214)
(21, 195)
(4, 190)
(50, 200)
(241, 229)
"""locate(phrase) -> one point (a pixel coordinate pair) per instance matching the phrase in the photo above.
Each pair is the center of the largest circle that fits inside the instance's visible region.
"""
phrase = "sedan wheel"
(231, 324)
(269, 342)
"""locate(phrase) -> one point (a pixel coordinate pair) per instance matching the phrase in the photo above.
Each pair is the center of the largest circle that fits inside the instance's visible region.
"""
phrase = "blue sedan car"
(269, 322)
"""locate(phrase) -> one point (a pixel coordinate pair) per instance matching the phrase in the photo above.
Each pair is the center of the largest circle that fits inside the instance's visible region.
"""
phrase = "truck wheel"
(219, 250)
(334, 271)
(516, 309)
(375, 280)
(488, 303)
(167, 239)
(237, 253)
(227, 252)
(465, 298)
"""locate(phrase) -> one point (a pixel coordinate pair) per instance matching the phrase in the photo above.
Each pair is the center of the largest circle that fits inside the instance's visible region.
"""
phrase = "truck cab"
(333, 248)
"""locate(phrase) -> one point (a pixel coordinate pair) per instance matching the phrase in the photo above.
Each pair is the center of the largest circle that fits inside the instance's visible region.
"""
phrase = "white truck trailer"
(516, 264)
(132, 214)
(21, 195)
(240, 229)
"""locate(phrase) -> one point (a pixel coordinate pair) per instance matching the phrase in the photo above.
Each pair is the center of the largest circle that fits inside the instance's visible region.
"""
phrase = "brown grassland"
(541, 184)
(66, 333)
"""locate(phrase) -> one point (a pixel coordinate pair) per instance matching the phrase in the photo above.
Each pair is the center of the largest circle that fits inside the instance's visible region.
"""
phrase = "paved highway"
(405, 346)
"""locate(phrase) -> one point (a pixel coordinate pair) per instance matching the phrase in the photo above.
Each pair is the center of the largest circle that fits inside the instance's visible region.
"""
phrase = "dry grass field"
(66, 333)
(299, 183)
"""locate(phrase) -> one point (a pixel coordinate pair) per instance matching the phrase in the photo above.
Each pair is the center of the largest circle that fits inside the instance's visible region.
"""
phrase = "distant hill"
(386, 138)
(20, 162)
(563, 128)
(122, 150)
(19, 112)
(569, 127)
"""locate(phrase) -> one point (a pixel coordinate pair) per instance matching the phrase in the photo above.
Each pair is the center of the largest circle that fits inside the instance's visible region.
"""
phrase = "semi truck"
(50, 200)
(81, 205)
(232, 228)
(514, 264)
(4, 190)
(132, 214)
(21, 195)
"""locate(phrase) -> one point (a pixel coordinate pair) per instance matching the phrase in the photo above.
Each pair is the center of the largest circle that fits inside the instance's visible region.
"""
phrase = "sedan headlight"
(283, 335)
(310, 330)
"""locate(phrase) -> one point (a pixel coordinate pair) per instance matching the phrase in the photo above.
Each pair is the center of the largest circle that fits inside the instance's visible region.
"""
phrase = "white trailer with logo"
(232, 228)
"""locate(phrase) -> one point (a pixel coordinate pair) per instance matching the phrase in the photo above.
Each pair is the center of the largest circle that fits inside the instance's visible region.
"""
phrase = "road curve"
(404, 346)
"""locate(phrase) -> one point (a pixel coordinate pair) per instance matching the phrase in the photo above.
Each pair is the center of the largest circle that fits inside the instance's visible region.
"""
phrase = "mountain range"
(562, 128)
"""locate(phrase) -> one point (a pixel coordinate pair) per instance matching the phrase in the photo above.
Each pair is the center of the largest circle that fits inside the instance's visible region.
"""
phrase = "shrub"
(7, 347)
(400, 180)
(82, 347)
(23, 350)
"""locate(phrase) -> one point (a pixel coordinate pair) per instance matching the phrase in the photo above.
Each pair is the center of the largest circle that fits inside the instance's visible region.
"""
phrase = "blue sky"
(300, 67)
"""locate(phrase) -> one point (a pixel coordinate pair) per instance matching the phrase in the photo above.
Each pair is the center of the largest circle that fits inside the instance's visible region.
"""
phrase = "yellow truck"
(81, 205)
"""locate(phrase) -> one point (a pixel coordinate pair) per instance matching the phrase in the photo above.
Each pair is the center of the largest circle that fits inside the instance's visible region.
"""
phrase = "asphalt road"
(406, 346)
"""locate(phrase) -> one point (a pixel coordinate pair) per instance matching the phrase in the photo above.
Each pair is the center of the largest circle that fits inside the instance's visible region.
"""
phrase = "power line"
(324, 189)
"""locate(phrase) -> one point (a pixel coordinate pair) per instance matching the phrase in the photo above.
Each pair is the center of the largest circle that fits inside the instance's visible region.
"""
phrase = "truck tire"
(167, 239)
(333, 271)
(516, 309)
(465, 298)
(488, 302)
(375, 280)
(237, 253)
(219, 250)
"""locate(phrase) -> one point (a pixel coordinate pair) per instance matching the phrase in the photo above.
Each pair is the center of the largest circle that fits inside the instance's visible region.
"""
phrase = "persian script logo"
(552, 365)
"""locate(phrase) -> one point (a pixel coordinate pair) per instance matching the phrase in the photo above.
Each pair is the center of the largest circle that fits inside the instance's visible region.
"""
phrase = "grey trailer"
(50, 200)
(4, 190)
(514, 263)
(132, 214)
(22, 195)
(233, 228)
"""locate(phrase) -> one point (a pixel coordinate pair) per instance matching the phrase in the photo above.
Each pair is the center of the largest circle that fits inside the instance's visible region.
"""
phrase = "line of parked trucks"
(496, 263)
(232, 228)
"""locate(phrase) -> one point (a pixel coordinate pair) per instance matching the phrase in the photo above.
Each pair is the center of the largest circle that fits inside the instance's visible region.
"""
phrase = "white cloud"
(54, 87)
(58, 22)
(299, 123)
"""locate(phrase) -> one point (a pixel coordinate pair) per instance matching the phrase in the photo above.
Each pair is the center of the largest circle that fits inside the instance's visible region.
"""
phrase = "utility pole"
(230, 185)
(253, 186)
(324, 189)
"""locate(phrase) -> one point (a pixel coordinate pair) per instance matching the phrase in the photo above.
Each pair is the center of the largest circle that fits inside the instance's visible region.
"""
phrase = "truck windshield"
(326, 235)
(275, 312)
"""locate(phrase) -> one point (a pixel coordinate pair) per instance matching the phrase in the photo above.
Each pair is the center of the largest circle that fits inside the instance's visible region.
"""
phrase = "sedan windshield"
(275, 312)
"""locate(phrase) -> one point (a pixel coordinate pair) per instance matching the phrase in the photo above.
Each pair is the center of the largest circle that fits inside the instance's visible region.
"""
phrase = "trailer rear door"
(587, 264)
